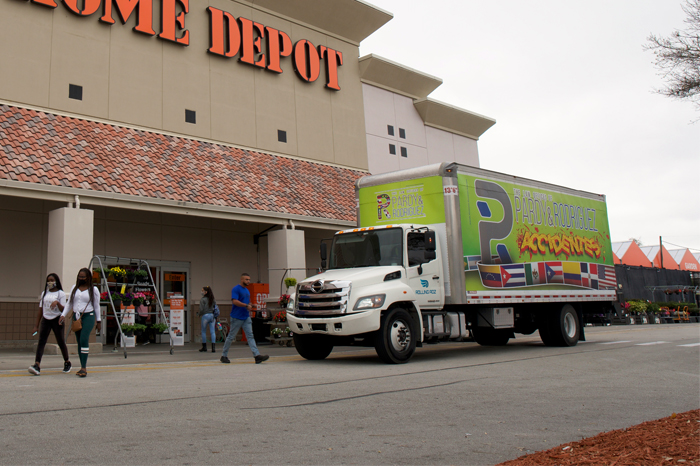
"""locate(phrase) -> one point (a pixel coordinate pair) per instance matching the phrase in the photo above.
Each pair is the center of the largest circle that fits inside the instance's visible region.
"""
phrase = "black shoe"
(224, 359)
(213, 350)
(34, 370)
(203, 349)
(261, 357)
(67, 366)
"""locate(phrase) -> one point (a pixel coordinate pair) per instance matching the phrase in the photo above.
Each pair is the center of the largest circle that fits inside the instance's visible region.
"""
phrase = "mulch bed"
(671, 440)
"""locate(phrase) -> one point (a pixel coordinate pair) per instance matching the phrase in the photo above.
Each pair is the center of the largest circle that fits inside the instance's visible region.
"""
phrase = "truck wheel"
(395, 341)
(563, 328)
(487, 336)
(313, 347)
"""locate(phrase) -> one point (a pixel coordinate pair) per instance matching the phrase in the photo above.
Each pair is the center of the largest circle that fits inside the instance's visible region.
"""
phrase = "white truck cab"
(378, 278)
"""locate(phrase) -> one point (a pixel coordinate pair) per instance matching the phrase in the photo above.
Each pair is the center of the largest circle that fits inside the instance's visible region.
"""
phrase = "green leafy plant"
(290, 282)
(159, 328)
(653, 308)
(637, 306)
(276, 331)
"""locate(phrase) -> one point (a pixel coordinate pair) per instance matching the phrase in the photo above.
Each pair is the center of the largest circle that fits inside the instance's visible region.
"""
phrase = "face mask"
(82, 282)
(51, 284)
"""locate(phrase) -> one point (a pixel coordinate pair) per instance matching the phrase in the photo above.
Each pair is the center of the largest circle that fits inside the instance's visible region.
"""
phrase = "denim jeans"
(247, 326)
(208, 321)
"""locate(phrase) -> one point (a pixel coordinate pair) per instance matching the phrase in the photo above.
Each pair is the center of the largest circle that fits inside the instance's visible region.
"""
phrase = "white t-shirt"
(81, 303)
(49, 297)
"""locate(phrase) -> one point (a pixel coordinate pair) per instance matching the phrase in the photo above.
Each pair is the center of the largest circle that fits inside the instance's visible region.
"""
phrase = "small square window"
(75, 92)
(390, 130)
(392, 149)
(402, 133)
(191, 116)
(281, 135)
(404, 152)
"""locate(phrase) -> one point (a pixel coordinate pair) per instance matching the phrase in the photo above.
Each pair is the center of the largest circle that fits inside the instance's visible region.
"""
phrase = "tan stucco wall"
(132, 78)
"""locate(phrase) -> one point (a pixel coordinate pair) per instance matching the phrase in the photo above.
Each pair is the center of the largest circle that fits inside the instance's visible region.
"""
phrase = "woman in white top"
(52, 302)
(84, 301)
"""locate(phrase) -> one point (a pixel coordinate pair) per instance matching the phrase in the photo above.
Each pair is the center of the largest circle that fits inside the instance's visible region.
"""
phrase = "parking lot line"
(651, 343)
(615, 342)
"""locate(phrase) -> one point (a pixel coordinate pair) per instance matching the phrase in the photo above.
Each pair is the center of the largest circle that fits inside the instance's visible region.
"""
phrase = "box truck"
(450, 252)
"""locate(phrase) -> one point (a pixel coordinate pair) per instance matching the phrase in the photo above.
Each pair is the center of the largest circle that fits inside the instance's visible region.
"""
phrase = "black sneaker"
(34, 370)
(67, 366)
(224, 359)
(261, 357)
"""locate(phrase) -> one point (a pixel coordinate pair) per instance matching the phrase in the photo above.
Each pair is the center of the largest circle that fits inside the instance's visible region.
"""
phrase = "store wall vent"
(392, 149)
(75, 92)
(402, 133)
(281, 135)
(191, 116)
(390, 130)
(404, 152)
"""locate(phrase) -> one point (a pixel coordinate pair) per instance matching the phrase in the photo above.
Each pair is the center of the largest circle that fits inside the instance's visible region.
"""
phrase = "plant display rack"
(140, 264)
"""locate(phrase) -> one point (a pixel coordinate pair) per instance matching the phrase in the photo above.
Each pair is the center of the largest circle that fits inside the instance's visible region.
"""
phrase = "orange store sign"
(254, 43)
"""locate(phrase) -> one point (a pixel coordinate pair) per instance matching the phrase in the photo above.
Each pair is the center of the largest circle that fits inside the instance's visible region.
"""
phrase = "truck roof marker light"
(405, 292)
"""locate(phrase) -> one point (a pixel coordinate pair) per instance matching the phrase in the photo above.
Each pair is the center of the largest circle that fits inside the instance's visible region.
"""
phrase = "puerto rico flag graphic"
(513, 275)
(554, 272)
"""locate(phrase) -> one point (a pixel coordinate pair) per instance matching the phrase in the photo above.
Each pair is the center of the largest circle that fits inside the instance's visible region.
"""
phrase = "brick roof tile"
(58, 150)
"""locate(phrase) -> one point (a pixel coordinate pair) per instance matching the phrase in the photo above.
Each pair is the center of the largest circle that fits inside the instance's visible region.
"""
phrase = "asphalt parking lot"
(454, 403)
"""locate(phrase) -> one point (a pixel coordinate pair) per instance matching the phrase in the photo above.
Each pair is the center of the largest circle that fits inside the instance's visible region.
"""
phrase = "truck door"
(424, 277)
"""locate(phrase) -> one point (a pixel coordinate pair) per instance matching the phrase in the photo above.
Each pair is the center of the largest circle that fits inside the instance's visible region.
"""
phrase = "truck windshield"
(367, 249)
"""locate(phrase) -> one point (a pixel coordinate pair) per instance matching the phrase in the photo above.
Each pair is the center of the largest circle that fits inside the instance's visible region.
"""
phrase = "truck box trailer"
(450, 252)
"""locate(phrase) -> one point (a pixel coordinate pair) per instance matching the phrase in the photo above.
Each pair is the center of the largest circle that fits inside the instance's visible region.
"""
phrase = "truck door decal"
(489, 231)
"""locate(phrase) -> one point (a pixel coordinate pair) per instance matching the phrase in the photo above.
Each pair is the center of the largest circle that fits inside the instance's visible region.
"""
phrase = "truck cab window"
(415, 244)
(367, 249)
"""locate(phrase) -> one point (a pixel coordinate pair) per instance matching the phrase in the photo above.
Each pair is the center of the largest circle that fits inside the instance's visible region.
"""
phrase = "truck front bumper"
(345, 325)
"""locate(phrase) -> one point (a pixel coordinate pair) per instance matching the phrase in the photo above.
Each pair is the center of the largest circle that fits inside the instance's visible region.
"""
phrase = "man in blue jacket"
(240, 317)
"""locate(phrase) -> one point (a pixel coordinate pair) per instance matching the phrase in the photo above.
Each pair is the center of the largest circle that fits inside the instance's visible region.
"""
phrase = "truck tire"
(487, 336)
(563, 328)
(395, 341)
(313, 347)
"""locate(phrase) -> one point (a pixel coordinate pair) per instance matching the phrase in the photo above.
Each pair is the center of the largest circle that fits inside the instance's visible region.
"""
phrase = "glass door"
(175, 281)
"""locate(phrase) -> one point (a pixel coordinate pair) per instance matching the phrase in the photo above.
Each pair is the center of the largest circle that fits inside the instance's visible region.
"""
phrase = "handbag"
(76, 325)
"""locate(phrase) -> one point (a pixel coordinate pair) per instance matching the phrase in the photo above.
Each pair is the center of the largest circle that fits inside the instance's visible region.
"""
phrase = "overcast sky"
(571, 90)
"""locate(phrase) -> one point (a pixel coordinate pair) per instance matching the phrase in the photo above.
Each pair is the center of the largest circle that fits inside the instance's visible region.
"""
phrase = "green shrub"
(653, 308)
(637, 306)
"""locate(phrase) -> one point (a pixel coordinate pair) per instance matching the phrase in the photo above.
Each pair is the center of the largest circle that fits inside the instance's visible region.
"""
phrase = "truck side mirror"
(324, 255)
(430, 242)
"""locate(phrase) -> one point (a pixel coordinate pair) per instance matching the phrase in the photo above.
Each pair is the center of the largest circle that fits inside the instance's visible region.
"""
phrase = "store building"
(209, 139)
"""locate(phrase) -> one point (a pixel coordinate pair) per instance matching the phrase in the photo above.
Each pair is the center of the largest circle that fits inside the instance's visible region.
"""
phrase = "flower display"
(280, 317)
(284, 300)
(139, 298)
(118, 273)
(104, 296)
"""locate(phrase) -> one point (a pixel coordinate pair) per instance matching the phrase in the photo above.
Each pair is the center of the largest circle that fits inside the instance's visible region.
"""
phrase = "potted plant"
(288, 331)
(276, 332)
(128, 329)
(118, 274)
(129, 276)
(96, 274)
(127, 298)
(117, 300)
(280, 317)
(160, 327)
(141, 275)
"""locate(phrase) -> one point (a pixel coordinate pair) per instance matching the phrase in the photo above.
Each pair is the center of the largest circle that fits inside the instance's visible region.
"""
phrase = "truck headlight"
(370, 302)
(290, 306)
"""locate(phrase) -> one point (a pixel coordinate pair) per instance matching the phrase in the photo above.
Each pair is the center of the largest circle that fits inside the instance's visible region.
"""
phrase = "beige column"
(286, 253)
(69, 250)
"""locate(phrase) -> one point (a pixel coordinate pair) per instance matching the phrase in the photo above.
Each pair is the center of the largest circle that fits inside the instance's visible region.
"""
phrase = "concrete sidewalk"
(12, 359)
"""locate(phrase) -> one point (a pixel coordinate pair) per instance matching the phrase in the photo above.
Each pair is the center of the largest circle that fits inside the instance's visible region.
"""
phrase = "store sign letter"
(253, 43)
(264, 47)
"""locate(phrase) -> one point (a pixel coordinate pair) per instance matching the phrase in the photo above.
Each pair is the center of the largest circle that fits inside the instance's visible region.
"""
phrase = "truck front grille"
(329, 298)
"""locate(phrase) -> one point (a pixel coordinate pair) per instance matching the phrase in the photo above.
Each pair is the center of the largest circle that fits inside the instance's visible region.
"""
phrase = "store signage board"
(177, 320)
(254, 43)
